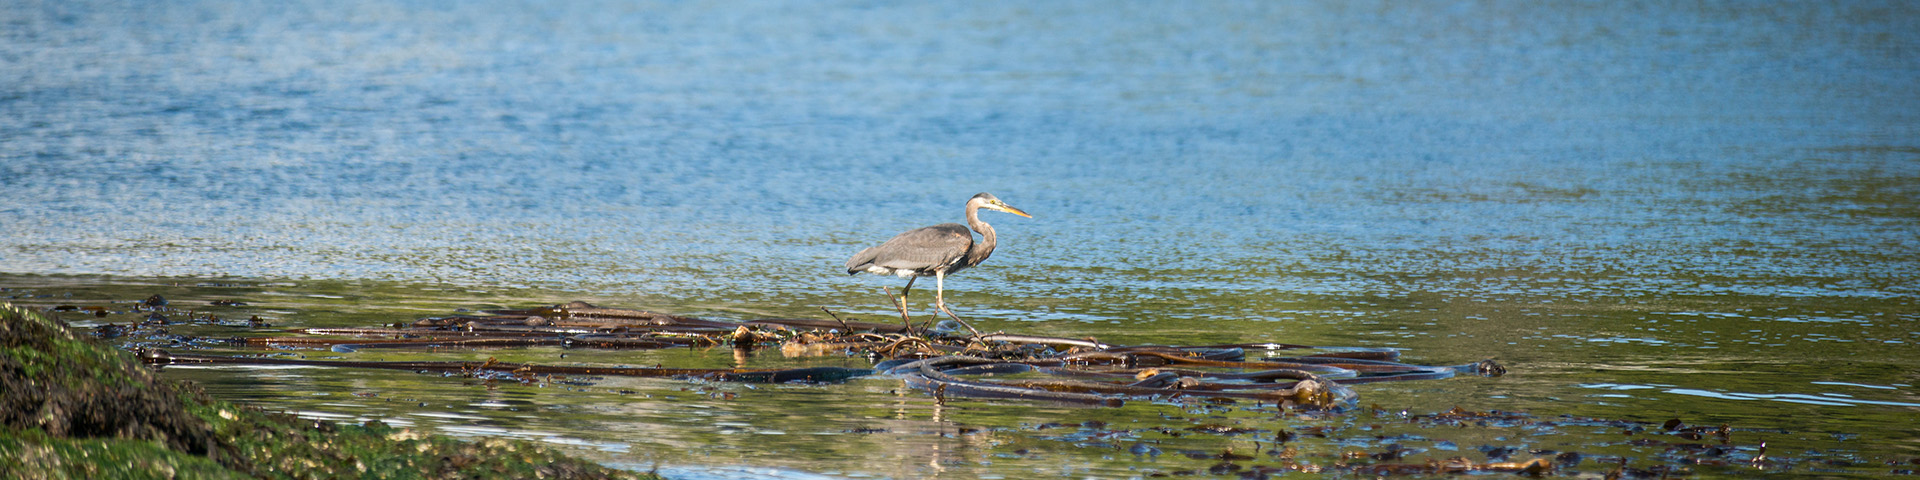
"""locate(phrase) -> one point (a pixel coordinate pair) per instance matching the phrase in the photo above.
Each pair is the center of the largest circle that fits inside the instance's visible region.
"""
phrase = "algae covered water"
(1647, 211)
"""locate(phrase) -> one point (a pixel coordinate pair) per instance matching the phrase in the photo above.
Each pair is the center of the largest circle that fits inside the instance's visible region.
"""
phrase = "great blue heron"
(935, 251)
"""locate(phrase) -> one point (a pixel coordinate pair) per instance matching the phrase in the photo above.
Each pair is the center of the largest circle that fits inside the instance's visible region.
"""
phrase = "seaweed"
(1080, 371)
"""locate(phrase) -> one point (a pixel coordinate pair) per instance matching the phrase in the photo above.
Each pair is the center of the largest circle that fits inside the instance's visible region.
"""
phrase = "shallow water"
(1647, 211)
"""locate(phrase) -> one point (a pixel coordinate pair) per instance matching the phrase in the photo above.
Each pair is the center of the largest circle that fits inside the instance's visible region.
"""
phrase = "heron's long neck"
(979, 252)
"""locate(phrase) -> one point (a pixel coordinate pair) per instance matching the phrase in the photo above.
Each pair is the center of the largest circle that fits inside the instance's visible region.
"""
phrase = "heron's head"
(988, 201)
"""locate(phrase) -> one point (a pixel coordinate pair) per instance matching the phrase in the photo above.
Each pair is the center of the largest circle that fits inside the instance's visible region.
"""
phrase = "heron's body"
(935, 251)
(921, 252)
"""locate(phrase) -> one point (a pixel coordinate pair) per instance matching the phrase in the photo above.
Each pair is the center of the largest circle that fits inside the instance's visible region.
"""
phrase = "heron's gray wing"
(916, 249)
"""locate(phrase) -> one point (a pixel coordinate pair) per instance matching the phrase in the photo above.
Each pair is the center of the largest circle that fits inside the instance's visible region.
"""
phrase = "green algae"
(71, 407)
(32, 453)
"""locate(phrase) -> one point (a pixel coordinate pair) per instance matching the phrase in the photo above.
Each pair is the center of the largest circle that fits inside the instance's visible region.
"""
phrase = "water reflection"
(1832, 399)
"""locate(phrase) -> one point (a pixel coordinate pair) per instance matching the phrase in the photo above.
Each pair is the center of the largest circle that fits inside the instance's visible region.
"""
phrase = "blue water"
(682, 149)
(1358, 168)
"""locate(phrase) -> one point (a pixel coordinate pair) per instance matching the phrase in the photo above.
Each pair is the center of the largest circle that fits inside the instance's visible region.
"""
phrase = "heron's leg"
(905, 317)
(897, 306)
(939, 302)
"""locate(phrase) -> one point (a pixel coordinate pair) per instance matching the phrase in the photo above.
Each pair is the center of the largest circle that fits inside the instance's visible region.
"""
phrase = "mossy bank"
(71, 407)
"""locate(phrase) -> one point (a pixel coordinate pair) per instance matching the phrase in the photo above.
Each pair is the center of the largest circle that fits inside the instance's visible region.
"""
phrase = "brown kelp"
(1081, 371)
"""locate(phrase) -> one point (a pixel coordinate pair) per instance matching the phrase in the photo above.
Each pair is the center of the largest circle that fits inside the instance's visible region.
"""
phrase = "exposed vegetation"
(71, 407)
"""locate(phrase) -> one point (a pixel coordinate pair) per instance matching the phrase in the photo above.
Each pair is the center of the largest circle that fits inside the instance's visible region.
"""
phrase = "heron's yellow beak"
(1009, 209)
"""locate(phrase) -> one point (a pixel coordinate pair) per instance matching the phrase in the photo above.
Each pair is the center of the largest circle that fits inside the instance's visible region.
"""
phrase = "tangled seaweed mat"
(73, 408)
(1075, 371)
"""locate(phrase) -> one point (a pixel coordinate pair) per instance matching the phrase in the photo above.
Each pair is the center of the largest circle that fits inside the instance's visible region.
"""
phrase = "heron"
(935, 251)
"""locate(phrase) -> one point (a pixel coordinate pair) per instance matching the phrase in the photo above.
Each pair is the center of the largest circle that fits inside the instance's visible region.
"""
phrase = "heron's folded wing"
(924, 247)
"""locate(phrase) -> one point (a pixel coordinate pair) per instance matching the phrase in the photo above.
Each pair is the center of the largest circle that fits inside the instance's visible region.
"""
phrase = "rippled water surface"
(1647, 211)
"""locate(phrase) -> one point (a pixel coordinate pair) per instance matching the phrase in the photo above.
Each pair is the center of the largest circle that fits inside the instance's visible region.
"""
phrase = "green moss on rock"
(71, 407)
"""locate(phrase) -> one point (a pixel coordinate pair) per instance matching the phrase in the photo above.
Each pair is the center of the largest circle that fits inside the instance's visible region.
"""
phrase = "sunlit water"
(1647, 211)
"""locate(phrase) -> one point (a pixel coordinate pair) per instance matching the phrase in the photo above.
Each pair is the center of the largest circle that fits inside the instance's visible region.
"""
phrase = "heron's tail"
(860, 261)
